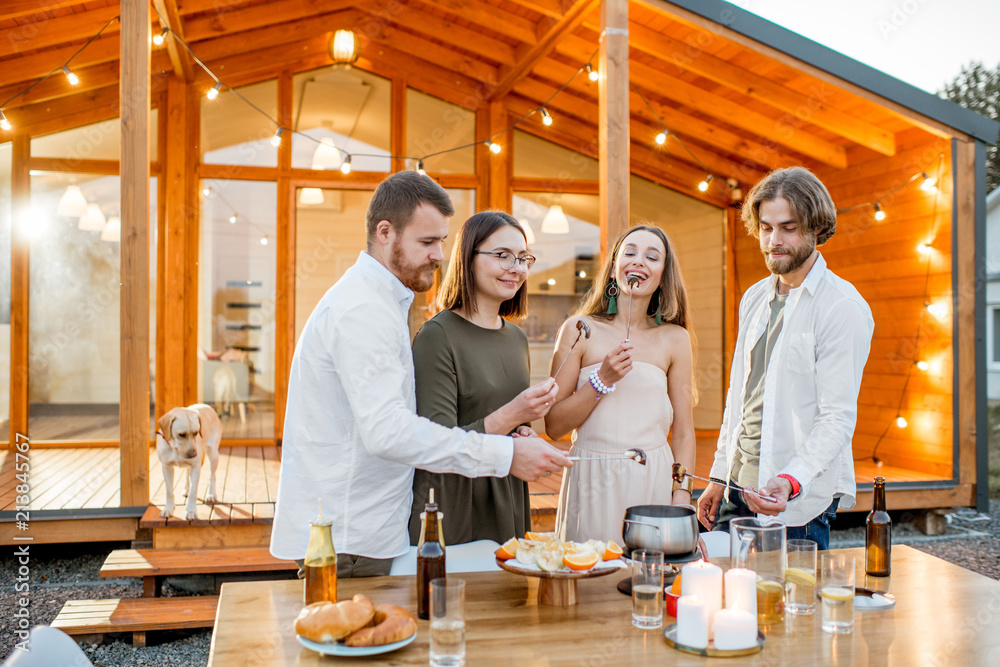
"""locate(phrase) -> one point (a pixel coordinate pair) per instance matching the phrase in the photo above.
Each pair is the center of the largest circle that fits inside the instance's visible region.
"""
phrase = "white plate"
(340, 649)
(615, 564)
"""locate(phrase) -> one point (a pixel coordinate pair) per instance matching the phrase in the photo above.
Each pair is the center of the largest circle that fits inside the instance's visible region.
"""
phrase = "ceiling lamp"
(72, 204)
(327, 156)
(93, 220)
(555, 221)
(529, 233)
(344, 47)
(113, 230)
(310, 196)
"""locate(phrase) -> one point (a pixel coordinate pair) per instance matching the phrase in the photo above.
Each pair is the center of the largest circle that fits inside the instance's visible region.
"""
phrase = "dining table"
(944, 615)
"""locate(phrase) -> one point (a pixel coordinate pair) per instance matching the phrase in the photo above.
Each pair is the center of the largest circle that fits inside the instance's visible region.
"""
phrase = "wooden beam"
(397, 132)
(242, 19)
(284, 298)
(543, 47)
(179, 56)
(20, 273)
(192, 243)
(500, 165)
(613, 122)
(25, 68)
(134, 408)
(969, 281)
(13, 8)
(486, 16)
(799, 108)
(44, 32)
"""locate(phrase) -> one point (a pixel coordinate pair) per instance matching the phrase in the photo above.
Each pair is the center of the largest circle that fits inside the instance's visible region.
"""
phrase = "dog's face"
(180, 427)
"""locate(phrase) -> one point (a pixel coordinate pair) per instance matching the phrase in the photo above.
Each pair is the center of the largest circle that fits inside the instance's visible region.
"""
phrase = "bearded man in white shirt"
(351, 436)
(804, 337)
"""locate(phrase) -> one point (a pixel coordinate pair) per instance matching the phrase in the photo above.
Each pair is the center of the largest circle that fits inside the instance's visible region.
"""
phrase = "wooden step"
(154, 564)
(94, 617)
(217, 514)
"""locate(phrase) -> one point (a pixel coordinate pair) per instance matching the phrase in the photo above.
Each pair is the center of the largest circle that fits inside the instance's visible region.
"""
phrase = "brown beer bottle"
(878, 534)
(430, 555)
(320, 562)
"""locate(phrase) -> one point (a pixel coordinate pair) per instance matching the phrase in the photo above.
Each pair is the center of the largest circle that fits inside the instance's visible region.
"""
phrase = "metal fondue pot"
(672, 529)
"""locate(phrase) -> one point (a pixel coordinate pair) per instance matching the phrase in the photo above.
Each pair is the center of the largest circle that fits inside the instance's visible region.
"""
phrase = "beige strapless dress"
(595, 494)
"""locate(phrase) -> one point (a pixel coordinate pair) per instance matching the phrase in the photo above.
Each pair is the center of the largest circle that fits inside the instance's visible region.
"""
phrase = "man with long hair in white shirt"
(804, 337)
(351, 436)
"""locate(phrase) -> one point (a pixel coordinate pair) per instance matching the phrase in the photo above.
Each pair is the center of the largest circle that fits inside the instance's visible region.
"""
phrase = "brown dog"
(183, 438)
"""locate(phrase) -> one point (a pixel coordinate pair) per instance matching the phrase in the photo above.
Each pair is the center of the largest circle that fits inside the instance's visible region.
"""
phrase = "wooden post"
(613, 132)
(284, 313)
(134, 409)
(19, 290)
(192, 233)
(501, 165)
(963, 316)
(397, 135)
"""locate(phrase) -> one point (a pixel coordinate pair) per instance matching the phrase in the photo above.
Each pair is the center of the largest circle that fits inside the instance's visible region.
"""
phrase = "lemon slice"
(525, 556)
(837, 593)
(767, 587)
(795, 575)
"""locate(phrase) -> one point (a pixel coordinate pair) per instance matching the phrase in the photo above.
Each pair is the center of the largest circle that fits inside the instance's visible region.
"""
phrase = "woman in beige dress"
(619, 391)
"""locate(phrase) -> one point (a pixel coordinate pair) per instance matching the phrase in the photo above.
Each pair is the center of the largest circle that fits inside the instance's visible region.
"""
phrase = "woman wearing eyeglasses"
(471, 369)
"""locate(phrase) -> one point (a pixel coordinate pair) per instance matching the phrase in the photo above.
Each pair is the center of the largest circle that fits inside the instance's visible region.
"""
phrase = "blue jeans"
(817, 530)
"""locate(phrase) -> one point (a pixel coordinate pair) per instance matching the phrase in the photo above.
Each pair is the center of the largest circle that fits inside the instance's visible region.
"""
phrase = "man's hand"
(534, 458)
(709, 503)
(523, 431)
(778, 488)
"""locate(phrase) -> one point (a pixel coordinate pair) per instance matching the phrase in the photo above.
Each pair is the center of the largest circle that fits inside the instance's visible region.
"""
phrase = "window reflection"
(433, 125)
(233, 132)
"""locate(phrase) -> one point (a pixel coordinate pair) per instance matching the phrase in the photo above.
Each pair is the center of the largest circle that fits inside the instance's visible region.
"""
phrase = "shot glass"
(647, 589)
(837, 593)
(447, 611)
(800, 577)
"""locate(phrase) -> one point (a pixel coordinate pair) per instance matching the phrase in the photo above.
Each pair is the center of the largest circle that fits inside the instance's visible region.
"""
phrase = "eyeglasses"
(507, 259)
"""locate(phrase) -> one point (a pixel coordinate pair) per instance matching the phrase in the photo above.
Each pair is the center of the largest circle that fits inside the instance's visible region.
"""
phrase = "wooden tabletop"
(944, 615)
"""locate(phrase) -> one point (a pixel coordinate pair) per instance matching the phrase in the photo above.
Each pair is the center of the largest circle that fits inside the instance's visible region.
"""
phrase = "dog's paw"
(210, 499)
(167, 512)
(190, 515)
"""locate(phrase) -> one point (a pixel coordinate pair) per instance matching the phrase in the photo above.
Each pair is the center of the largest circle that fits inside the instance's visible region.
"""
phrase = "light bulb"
(263, 240)
(900, 421)
(661, 138)
(4, 123)
(923, 248)
(276, 139)
(546, 118)
(206, 191)
(937, 310)
(72, 78)
(345, 166)
(703, 186)
(158, 38)
(923, 365)
(929, 184)
(582, 274)
(879, 213)
(213, 92)
(494, 148)
(592, 73)
(232, 219)
(420, 168)
(551, 281)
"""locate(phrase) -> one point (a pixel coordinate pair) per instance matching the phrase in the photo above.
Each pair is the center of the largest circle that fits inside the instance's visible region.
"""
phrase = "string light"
(4, 123)
(879, 213)
(70, 76)
(924, 249)
(922, 365)
(901, 421)
(276, 139)
(263, 240)
(936, 309)
(592, 73)
(158, 38)
(232, 219)
(495, 148)
(213, 92)
(206, 191)
(546, 118)
(703, 186)
(420, 168)
(929, 184)
(661, 138)
(345, 166)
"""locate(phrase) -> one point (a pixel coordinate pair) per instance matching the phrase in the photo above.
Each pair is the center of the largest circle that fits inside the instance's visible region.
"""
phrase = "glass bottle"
(878, 534)
(430, 554)
(321, 561)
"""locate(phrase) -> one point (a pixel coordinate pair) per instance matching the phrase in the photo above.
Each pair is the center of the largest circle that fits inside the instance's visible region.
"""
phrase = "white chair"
(48, 647)
(717, 543)
(479, 556)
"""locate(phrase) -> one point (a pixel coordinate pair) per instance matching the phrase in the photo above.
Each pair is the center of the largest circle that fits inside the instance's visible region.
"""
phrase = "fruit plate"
(558, 589)
(670, 636)
(345, 651)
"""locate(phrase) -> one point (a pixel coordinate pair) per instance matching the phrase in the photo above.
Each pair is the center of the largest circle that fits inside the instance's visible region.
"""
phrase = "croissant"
(326, 622)
(392, 624)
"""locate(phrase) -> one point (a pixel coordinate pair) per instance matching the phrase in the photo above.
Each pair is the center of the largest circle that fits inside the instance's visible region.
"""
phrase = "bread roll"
(326, 622)
(392, 624)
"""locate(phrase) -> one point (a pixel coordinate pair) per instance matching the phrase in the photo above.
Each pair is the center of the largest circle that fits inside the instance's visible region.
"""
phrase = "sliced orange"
(613, 551)
(538, 537)
(508, 550)
(675, 588)
(581, 561)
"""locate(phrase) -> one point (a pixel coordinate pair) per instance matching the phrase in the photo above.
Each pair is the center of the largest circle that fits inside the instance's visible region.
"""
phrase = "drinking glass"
(800, 577)
(447, 611)
(837, 593)
(760, 545)
(647, 589)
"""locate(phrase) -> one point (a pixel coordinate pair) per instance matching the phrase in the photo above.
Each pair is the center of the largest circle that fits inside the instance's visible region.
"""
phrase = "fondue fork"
(633, 282)
(637, 455)
(582, 329)
(681, 471)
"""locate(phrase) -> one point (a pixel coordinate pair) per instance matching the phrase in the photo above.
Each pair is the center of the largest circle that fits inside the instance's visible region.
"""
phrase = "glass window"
(5, 235)
(98, 141)
(996, 335)
(74, 338)
(237, 285)
(564, 235)
(537, 158)
(347, 107)
(433, 125)
(233, 132)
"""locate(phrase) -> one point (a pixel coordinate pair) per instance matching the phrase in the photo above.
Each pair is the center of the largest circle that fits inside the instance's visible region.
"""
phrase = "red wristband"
(796, 487)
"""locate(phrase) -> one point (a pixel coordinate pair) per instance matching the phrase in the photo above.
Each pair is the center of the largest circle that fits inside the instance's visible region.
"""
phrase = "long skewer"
(633, 282)
(581, 329)
(680, 472)
(637, 455)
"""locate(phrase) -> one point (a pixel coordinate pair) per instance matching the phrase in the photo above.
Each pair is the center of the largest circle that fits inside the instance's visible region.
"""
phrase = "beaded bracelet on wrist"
(601, 388)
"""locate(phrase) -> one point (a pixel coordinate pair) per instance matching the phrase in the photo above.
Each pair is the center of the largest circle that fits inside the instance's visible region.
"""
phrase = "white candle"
(703, 579)
(692, 621)
(741, 590)
(734, 629)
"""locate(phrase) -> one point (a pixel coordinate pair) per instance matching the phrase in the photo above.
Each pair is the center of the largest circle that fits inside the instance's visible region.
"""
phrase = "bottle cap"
(319, 520)
(880, 480)
(431, 506)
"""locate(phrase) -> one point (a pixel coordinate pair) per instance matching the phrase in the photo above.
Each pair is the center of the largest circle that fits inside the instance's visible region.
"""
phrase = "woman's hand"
(523, 431)
(531, 404)
(616, 364)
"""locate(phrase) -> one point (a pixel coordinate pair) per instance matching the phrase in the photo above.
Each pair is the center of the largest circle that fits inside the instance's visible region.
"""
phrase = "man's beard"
(791, 260)
(411, 276)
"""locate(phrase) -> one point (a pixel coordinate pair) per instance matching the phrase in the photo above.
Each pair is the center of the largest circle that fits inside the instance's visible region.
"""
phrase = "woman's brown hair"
(458, 289)
(672, 301)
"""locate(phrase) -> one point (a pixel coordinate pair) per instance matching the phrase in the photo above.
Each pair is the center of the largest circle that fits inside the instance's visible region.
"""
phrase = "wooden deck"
(100, 423)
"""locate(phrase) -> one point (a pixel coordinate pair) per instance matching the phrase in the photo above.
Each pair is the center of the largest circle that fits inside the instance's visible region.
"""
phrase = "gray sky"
(922, 42)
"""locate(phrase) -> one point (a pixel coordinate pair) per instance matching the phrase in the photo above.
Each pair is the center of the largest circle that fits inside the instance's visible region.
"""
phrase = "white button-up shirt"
(351, 435)
(810, 389)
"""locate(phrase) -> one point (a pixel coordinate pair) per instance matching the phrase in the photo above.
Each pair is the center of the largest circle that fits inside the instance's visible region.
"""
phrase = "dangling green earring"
(655, 304)
(611, 291)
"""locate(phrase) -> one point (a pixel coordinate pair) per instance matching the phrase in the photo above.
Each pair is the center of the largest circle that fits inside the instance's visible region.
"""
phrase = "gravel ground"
(66, 572)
